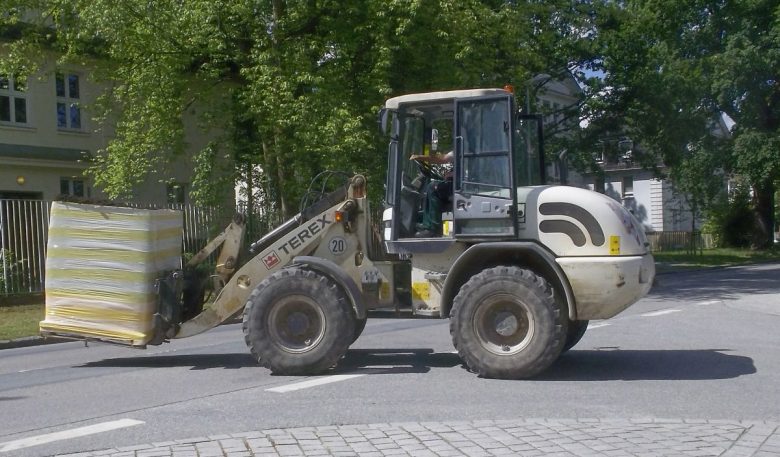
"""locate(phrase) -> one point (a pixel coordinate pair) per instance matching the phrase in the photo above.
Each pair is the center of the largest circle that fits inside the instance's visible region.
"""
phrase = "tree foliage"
(292, 86)
(288, 88)
(673, 68)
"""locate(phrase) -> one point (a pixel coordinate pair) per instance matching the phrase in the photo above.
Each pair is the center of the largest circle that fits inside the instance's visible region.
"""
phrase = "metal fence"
(24, 232)
(24, 226)
(678, 240)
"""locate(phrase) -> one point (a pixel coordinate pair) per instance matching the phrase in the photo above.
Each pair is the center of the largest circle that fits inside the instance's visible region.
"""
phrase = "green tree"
(293, 86)
(673, 67)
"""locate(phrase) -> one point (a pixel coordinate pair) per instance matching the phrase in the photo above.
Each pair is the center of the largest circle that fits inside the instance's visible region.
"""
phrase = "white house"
(654, 202)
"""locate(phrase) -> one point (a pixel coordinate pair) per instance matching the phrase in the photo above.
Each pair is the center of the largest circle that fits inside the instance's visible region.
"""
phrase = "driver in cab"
(437, 195)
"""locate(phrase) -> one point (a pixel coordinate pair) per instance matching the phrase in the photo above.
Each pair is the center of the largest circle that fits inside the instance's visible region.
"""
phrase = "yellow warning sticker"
(421, 290)
(447, 228)
(614, 245)
(384, 291)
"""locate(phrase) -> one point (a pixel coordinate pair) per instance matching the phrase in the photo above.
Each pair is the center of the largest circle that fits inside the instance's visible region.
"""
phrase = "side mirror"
(384, 117)
(434, 140)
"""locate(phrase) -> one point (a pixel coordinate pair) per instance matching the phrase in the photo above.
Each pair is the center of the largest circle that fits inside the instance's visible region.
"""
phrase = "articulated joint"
(357, 186)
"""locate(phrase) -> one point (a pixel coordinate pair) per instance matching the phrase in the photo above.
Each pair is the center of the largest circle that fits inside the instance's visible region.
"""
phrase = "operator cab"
(494, 149)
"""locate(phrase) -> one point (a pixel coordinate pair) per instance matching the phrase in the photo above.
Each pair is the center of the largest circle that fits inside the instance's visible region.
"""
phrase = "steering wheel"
(427, 170)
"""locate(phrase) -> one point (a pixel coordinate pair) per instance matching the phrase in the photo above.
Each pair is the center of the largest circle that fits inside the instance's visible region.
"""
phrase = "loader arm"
(230, 239)
(301, 240)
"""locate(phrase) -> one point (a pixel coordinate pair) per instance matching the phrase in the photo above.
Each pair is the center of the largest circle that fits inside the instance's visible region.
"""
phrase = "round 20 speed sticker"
(337, 245)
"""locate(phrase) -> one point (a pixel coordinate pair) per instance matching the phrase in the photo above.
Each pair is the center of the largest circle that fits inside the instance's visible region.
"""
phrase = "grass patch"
(718, 257)
(20, 321)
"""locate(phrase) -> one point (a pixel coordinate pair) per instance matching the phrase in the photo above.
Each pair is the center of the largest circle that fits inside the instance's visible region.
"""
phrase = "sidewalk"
(522, 437)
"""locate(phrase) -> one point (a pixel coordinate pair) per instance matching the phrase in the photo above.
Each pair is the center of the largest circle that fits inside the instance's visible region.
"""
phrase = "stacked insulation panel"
(101, 267)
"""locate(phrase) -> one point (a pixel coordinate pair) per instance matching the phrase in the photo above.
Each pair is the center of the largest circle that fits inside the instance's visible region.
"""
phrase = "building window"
(599, 186)
(13, 100)
(628, 186)
(177, 193)
(74, 187)
(68, 90)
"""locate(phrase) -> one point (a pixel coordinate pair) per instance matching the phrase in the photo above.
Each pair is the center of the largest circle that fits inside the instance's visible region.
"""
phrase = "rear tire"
(297, 322)
(505, 323)
(574, 334)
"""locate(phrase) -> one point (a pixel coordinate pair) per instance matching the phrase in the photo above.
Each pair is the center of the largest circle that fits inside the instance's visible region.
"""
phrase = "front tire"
(574, 334)
(505, 323)
(298, 322)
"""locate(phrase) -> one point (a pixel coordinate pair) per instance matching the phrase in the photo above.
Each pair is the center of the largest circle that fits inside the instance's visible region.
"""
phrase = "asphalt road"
(703, 346)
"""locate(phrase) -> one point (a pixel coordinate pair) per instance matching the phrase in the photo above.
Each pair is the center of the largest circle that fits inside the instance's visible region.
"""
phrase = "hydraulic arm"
(299, 236)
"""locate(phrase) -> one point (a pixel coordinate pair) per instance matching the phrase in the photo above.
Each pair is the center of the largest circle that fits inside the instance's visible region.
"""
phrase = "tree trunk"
(764, 210)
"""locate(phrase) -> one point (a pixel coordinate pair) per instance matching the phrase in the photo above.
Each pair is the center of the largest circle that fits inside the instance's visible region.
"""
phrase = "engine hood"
(571, 221)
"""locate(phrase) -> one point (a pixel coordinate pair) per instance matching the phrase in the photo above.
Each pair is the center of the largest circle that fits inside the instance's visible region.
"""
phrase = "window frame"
(15, 94)
(68, 101)
(71, 183)
(626, 184)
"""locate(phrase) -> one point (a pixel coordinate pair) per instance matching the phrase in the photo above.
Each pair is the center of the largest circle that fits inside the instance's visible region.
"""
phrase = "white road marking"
(598, 325)
(707, 303)
(661, 313)
(67, 434)
(313, 383)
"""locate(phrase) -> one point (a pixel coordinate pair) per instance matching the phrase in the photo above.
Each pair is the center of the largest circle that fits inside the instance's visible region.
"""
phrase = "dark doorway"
(10, 195)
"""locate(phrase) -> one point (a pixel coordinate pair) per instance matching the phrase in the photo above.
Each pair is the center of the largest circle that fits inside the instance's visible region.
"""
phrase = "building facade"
(48, 139)
(656, 204)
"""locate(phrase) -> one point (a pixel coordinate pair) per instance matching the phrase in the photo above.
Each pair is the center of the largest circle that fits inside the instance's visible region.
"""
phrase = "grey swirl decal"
(575, 212)
(565, 227)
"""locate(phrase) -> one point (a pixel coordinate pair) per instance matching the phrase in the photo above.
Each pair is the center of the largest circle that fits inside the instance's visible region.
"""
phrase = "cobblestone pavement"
(524, 437)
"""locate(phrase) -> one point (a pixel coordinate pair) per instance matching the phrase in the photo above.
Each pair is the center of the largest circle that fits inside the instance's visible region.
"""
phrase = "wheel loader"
(518, 267)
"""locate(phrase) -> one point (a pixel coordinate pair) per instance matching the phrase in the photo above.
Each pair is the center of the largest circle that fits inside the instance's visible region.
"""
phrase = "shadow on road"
(719, 284)
(194, 361)
(385, 361)
(659, 365)
(575, 365)
(396, 361)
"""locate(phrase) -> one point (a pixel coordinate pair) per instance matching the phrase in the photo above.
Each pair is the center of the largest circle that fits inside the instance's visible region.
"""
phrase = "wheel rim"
(503, 324)
(296, 323)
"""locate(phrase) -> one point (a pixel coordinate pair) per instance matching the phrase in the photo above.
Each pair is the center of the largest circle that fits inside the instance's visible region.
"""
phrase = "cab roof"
(395, 102)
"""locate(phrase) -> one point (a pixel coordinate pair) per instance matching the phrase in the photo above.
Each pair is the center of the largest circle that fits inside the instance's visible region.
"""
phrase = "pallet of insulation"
(101, 266)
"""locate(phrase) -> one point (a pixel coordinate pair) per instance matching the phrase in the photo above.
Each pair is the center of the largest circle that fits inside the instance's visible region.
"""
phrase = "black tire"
(298, 322)
(574, 334)
(506, 324)
(360, 325)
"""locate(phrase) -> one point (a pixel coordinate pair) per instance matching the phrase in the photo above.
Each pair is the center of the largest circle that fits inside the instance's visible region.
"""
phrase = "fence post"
(3, 234)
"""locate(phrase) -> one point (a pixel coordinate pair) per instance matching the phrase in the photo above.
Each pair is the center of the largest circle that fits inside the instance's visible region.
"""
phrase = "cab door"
(484, 197)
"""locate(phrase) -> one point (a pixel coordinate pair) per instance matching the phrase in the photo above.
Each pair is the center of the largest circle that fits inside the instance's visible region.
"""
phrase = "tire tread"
(524, 276)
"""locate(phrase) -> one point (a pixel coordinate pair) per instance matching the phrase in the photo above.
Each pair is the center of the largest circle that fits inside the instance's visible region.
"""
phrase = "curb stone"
(30, 341)
(582, 437)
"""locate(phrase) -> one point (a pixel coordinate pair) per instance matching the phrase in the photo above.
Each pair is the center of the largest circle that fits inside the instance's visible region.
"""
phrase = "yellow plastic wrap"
(101, 265)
